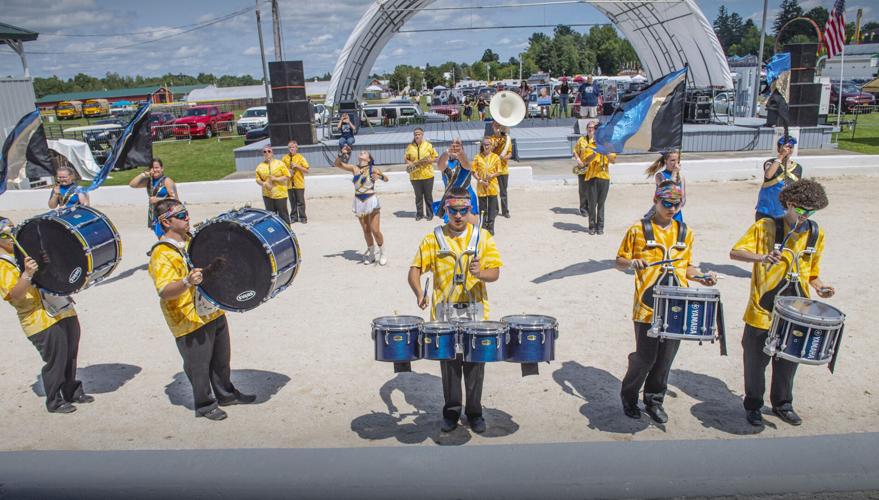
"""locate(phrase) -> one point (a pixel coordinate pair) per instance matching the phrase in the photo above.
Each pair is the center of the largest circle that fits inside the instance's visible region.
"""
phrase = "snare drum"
(248, 256)
(397, 338)
(75, 248)
(439, 340)
(484, 341)
(532, 338)
(684, 313)
(804, 330)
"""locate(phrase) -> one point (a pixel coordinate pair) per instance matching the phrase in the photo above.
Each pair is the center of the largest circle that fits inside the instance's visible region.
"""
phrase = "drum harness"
(53, 304)
(458, 311)
(203, 305)
(789, 285)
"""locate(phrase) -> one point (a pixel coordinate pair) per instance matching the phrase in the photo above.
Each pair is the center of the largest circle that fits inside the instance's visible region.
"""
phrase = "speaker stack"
(697, 106)
(291, 116)
(805, 94)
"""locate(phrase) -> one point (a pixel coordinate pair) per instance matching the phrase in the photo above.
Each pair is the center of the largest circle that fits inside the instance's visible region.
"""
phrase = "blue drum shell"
(690, 322)
(484, 341)
(535, 345)
(797, 340)
(438, 343)
(401, 346)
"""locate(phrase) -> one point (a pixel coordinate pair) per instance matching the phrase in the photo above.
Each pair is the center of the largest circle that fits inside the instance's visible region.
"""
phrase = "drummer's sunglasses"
(668, 204)
(184, 215)
(458, 211)
(805, 212)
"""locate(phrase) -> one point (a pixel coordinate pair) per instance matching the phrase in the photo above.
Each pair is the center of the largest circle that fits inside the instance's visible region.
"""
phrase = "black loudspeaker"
(288, 93)
(802, 55)
(804, 115)
(290, 112)
(805, 93)
(286, 73)
(802, 75)
(281, 133)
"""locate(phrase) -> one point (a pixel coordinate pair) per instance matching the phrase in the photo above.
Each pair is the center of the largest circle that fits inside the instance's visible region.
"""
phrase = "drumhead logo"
(486, 342)
(531, 338)
(797, 333)
(398, 338)
(675, 309)
(427, 340)
(75, 275)
(245, 296)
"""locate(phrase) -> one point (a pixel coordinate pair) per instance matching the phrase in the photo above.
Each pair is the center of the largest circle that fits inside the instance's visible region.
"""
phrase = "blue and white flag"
(134, 147)
(25, 148)
(778, 67)
(653, 120)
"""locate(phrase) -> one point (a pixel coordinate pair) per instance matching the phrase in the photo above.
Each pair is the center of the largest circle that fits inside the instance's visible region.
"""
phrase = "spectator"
(589, 93)
(564, 92)
(347, 129)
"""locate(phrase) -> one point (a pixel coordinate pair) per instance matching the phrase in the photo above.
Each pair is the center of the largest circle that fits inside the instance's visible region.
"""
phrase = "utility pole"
(520, 69)
(262, 54)
(276, 29)
(759, 61)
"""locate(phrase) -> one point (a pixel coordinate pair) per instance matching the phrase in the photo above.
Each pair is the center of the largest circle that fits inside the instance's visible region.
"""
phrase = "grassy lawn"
(866, 136)
(200, 160)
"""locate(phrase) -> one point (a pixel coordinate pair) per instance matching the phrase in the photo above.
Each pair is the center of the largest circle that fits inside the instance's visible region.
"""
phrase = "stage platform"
(534, 139)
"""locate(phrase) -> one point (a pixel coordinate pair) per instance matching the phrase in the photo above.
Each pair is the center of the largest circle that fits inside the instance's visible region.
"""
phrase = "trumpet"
(418, 164)
(578, 170)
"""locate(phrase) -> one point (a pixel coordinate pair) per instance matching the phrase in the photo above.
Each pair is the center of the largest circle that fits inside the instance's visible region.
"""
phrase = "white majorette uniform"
(365, 199)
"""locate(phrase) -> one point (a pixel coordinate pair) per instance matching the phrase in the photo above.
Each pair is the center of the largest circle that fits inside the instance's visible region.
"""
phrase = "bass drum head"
(237, 269)
(59, 253)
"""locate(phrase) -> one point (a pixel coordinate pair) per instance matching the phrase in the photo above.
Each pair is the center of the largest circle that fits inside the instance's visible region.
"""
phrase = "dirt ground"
(308, 356)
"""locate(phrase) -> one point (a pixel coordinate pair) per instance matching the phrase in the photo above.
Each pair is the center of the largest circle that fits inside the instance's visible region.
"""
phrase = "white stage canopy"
(665, 35)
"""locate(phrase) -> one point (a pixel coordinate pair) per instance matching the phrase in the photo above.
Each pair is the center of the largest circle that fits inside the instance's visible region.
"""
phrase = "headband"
(176, 209)
(787, 140)
(453, 202)
(669, 192)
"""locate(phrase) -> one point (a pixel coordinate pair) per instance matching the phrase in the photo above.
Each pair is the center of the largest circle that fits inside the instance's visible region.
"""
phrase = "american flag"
(834, 30)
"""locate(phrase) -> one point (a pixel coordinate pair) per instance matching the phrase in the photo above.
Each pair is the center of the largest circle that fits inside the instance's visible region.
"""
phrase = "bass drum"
(75, 248)
(247, 256)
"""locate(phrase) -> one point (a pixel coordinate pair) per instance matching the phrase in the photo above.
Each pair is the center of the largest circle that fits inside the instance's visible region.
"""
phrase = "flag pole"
(841, 67)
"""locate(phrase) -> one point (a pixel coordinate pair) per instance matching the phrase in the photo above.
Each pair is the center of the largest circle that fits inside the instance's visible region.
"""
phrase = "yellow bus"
(68, 109)
(96, 107)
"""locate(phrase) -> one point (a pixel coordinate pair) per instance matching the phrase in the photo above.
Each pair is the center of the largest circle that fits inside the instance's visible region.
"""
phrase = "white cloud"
(251, 51)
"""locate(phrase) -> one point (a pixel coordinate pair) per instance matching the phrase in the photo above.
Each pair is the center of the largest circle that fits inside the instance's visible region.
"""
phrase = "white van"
(398, 114)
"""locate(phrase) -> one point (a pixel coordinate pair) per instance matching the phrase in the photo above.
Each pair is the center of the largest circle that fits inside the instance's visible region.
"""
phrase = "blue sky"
(313, 30)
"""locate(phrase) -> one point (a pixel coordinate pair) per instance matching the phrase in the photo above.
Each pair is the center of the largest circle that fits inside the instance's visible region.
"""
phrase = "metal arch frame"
(664, 40)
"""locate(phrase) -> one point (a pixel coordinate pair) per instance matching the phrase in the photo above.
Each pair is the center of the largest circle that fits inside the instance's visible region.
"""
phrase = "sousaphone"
(507, 108)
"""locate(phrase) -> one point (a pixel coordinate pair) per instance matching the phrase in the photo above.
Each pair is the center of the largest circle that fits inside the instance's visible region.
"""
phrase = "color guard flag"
(134, 147)
(25, 149)
(651, 121)
(834, 29)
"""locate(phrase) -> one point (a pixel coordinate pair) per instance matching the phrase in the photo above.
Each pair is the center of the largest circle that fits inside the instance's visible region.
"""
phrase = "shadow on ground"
(565, 210)
(351, 255)
(404, 214)
(727, 269)
(263, 384)
(578, 269)
(423, 392)
(718, 407)
(124, 274)
(570, 227)
(97, 379)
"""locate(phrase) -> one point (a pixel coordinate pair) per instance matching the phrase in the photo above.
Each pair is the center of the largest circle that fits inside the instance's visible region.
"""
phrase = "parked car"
(399, 114)
(252, 118)
(100, 137)
(852, 96)
(256, 134)
(202, 121)
(724, 103)
(158, 125)
(450, 110)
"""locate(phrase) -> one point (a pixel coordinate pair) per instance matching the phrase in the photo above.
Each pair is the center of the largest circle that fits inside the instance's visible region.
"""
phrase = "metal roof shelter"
(665, 34)
(15, 38)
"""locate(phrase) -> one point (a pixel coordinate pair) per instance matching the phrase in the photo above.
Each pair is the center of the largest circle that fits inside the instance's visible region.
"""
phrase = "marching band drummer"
(66, 193)
(503, 148)
(419, 158)
(777, 172)
(202, 337)
(159, 187)
(651, 362)
(800, 199)
(55, 334)
(366, 206)
(457, 235)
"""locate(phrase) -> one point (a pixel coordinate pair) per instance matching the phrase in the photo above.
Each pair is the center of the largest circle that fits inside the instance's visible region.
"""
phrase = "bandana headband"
(671, 193)
(174, 211)
(458, 203)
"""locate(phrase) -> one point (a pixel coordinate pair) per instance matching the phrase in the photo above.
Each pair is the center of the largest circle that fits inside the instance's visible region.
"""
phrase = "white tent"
(666, 35)
(79, 155)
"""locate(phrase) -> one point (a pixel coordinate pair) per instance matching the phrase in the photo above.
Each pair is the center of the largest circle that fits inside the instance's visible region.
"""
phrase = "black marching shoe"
(789, 416)
(448, 424)
(477, 425)
(632, 411)
(419, 217)
(64, 407)
(241, 399)
(754, 417)
(83, 399)
(507, 215)
(657, 413)
(600, 231)
(215, 414)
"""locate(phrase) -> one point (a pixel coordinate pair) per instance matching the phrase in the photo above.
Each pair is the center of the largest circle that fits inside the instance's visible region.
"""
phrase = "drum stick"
(17, 245)
(661, 262)
(426, 287)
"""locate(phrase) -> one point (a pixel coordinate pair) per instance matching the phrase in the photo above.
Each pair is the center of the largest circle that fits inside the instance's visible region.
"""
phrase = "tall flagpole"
(759, 60)
(262, 54)
(841, 67)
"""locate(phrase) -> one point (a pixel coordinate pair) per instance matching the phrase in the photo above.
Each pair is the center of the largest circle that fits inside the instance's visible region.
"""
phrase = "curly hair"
(804, 193)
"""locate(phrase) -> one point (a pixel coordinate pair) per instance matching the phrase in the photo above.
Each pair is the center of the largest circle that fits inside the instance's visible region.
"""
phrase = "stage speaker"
(805, 93)
(281, 133)
(290, 112)
(288, 81)
(802, 55)
(804, 115)
(802, 75)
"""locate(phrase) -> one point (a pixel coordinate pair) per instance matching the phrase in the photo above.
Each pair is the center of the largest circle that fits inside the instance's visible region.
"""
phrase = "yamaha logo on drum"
(427, 340)
(486, 342)
(675, 309)
(797, 333)
(75, 275)
(245, 296)
(532, 338)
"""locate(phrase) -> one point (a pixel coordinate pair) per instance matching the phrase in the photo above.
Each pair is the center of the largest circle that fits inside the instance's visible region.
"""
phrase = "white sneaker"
(368, 256)
(382, 258)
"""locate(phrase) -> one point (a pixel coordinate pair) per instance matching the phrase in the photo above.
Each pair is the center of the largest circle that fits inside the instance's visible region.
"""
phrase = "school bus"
(68, 109)
(96, 107)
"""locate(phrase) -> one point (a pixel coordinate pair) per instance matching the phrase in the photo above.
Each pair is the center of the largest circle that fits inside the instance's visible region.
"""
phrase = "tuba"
(507, 108)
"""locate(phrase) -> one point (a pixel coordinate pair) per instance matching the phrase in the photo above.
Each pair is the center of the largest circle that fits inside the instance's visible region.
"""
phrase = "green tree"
(789, 10)
(489, 56)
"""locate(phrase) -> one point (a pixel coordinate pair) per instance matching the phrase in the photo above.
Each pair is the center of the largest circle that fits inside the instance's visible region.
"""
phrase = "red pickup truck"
(202, 121)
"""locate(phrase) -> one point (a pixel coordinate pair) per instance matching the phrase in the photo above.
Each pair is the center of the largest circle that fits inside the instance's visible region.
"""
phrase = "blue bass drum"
(804, 331)
(397, 338)
(684, 313)
(532, 338)
(484, 341)
(75, 248)
(438, 340)
(248, 256)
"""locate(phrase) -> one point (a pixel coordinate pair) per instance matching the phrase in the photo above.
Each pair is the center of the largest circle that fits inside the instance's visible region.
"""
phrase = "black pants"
(297, 204)
(206, 354)
(488, 208)
(596, 193)
(423, 196)
(474, 375)
(278, 206)
(58, 345)
(649, 367)
(584, 198)
(502, 181)
(781, 391)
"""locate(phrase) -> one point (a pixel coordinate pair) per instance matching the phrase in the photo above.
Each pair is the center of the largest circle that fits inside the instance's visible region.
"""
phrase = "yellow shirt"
(421, 151)
(276, 169)
(166, 266)
(31, 313)
(500, 147)
(297, 177)
(634, 246)
(760, 239)
(443, 268)
(597, 167)
(483, 166)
